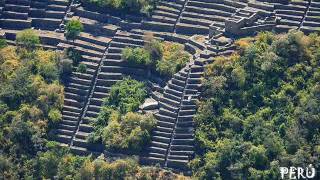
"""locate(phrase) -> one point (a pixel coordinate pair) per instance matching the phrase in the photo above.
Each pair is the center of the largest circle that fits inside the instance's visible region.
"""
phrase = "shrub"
(136, 56)
(55, 116)
(173, 60)
(167, 58)
(130, 133)
(74, 55)
(73, 29)
(101, 122)
(82, 68)
(49, 72)
(134, 6)
(126, 95)
(3, 43)
(65, 67)
(28, 39)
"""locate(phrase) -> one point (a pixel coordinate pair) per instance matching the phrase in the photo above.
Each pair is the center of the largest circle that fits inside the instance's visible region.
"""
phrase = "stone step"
(114, 76)
(70, 123)
(165, 129)
(183, 135)
(179, 157)
(79, 151)
(107, 82)
(172, 96)
(157, 150)
(63, 138)
(163, 134)
(187, 112)
(183, 142)
(96, 102)
(159, 144)
(173, 92)
(165, 124)
(15, 15)
(77, 85)
(72, 102)
(181, 153)
(166, 112)
(15, 24)
(185, 124)
(165, 118)
(70, 118)
(71, 108)
(67, 127)
(65, 132)
(182, 147)
(82, 135)
(157, 155)
(168, 106)
(85, 128)
(92, 114)
(100, 95)
(80, 143)
(175, 87)
(161, 139)
(170, 101)
(158, 26)
(185, 118)
(76, 97)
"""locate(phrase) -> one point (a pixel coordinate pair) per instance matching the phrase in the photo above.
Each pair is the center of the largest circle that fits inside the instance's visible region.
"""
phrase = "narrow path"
(176, 121)
(90, 94)
(305, 14)
(178, 19)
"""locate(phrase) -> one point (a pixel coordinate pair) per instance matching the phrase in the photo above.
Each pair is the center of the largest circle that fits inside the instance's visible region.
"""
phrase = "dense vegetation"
(57, 163)
(118, 125)
(260, 109)
(166, 58)
(73, 28)
(133, 6)
(31, 98)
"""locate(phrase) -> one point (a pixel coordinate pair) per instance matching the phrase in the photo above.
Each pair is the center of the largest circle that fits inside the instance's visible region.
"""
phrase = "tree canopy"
(28, 38)
(73, 28)
(260, 109)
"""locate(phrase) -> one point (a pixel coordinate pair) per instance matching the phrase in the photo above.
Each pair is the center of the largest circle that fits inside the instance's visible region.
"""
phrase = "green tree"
(28, 38)
(73, 28)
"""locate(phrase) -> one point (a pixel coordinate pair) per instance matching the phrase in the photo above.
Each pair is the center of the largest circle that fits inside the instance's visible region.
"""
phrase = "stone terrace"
(198, 15)
(291, 15)
(311, 22)
(198, 24)
(165, 16)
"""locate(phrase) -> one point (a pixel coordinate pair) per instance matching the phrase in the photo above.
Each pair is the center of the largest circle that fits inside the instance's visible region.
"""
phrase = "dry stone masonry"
(207, 28)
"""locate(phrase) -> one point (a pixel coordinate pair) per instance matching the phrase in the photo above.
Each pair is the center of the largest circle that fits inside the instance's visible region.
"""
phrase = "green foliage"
(65, 68)
(3, 43)
(82, 68)
(130, 132)
(55, 116)
(126, 95)
(174, 58)
(28, 39)
(136, 56)
(134, 6)
(165, 57)
(73, 28)
(74, 55)
(31, 99)
(260, 109)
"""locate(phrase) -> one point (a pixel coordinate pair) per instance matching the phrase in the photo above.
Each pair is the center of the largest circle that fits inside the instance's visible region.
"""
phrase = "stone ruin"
(207, 28)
